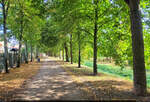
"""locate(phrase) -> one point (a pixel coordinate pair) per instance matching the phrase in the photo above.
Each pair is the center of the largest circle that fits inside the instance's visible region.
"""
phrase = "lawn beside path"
(109, 68)
(103, 86)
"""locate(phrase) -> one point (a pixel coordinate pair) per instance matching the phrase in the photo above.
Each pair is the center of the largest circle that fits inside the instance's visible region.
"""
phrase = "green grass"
(115, 70)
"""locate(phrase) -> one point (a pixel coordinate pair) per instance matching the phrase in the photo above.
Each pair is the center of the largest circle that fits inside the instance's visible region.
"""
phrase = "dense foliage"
(78, 30)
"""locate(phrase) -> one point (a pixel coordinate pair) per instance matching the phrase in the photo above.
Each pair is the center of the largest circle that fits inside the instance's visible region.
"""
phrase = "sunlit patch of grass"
(116, 71)
(101, 86)
(16, 77)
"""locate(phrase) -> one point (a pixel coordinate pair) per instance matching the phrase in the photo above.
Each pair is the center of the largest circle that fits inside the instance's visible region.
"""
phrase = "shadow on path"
(51, 83)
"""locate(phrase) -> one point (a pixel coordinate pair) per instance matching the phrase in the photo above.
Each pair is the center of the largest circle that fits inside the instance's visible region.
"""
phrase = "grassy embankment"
(100, 87)
(116, 71)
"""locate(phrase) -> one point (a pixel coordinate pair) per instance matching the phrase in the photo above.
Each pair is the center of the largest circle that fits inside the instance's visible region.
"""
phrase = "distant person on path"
(38, 59)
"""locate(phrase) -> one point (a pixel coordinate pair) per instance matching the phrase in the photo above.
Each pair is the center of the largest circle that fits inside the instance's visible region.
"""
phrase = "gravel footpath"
(50, 83)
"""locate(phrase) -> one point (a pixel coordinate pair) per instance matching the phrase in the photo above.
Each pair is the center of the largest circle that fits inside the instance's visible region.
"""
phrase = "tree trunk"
(26, 53)
(5, 36)
(19, 54)
(31, 54)
(110, 60)
(60, 54)
(55, 54)
(66, 50)
(20, 40)
(79, 55)
(37, 52)
(71, 49)
(95, 38)
(5, 41)
(63, 54)
(140, 87)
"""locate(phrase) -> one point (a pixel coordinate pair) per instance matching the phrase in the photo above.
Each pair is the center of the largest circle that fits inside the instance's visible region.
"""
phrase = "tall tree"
(5, 7)
(26, 52)
(21, 34)
(66, 52)
(31, 54)
(79, 51)
(95, 37)
(63, 53)
(139, 71)
(71, 56)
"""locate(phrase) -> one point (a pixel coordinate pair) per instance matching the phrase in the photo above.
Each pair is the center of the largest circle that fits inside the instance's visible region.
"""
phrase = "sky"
(12, 40)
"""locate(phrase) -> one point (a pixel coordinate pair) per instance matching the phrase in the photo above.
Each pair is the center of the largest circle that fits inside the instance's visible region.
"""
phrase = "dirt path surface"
(51, 83)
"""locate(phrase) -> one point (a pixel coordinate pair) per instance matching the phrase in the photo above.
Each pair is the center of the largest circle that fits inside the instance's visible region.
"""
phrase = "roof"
(14, 49)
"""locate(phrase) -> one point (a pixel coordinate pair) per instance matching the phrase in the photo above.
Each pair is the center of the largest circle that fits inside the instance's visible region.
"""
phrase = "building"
(1, 47)
(10, 46)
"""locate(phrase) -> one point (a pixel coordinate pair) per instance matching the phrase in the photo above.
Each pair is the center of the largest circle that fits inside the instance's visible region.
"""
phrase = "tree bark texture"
(71, 49)
(95, 38)
(26, 53)
(63, 54)
(20, 39)
(79, 55)
(66, 50)
(139, 72)
(31, 54)
(5, 11)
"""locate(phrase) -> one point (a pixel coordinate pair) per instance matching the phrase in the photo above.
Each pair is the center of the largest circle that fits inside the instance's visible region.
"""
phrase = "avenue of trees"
(78, 30)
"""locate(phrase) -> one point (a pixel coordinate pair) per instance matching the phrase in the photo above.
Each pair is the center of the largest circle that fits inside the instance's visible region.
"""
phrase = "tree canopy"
(80, 30)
